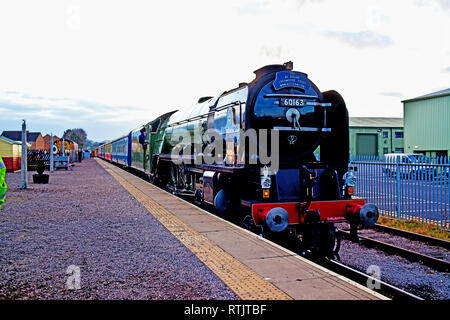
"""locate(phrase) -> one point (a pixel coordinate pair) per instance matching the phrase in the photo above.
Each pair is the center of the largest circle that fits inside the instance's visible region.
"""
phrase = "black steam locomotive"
(271, 155)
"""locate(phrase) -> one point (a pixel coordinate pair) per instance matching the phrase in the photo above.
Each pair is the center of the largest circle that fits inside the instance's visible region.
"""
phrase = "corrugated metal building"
(427, 124)
(375, 136)
(11, 152)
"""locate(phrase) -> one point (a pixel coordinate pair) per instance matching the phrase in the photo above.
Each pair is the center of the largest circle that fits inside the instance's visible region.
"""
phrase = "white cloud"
(362, 39)
(392, 94)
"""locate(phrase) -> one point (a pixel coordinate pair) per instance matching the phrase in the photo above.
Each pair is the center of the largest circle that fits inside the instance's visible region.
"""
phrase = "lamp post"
(23, 171)
(51, 152)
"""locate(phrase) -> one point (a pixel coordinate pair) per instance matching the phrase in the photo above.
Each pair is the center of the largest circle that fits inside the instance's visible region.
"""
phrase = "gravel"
(84, 219)
(410, 276)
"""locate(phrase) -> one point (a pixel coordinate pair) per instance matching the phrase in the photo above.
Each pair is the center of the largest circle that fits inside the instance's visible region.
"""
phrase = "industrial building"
(375, 136)
(427, 124)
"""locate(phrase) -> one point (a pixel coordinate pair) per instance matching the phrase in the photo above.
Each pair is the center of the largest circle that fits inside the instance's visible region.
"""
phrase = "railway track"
(364, 279)
(433, 262)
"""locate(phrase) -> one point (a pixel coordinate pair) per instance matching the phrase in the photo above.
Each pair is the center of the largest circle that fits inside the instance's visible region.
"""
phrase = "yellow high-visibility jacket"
(3, 186)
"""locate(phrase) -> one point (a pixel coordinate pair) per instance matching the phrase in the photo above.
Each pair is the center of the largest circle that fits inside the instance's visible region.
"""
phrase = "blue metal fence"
(406, 187)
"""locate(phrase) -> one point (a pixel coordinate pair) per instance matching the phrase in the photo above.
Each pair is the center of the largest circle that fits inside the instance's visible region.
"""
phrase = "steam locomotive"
(271, 155)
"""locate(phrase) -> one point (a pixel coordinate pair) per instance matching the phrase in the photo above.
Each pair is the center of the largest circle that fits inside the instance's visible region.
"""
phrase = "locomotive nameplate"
(292, 102)
(291, 79)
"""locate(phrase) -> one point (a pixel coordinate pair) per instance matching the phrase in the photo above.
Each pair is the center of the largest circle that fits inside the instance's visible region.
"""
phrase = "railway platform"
(249, 265)
(127, 239)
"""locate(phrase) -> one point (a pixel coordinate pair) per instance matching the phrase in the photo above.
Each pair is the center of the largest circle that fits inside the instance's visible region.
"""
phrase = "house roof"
(441, 93)
(47, 137)
(13, 135)
(32, 136)
(9, 140)
(376, 122)
(17, 135)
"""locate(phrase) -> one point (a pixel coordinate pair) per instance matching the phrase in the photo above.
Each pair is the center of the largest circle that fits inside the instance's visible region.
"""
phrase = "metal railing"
(34, 156)
(405, 189)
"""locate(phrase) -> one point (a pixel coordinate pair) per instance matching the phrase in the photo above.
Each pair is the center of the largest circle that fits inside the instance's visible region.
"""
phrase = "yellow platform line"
(246, 283)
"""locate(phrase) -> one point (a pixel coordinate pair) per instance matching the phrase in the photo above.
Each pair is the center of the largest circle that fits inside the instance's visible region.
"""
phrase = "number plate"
(292, 102)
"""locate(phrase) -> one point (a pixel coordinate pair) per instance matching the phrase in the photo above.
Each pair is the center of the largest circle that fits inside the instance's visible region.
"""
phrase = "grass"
(427, 229)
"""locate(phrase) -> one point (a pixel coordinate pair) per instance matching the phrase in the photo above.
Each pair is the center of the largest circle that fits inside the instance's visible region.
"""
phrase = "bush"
(40, 168)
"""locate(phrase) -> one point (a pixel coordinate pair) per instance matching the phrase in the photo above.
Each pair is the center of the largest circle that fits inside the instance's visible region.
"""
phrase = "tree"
(77, 135)
(66, 133)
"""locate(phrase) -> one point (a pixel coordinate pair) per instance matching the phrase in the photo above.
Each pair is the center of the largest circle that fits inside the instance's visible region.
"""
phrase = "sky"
(110, 66)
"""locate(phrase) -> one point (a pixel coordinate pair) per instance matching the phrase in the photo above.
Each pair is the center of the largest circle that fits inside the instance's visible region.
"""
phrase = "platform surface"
(251, 266)
(83, 225)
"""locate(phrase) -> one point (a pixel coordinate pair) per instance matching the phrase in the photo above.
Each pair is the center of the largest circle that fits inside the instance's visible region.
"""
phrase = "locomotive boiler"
(271, 155)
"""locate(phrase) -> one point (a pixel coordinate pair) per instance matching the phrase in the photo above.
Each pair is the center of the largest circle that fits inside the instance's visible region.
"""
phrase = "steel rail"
(414, 236)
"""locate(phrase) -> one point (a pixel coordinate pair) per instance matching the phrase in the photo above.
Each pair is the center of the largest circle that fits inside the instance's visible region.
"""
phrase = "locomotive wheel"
(226, 203)
(321, 239)
(330, 241)
(249, 224)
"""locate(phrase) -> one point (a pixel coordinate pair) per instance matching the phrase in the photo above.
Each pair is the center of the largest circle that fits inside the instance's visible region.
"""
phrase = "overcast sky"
(110, 66)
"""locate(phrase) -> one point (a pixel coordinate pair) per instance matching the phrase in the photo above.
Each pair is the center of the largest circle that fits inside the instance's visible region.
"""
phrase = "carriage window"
(220, 119)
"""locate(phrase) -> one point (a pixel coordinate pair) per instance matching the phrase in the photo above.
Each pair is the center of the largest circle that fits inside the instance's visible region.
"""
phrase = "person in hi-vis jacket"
(3, 186)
